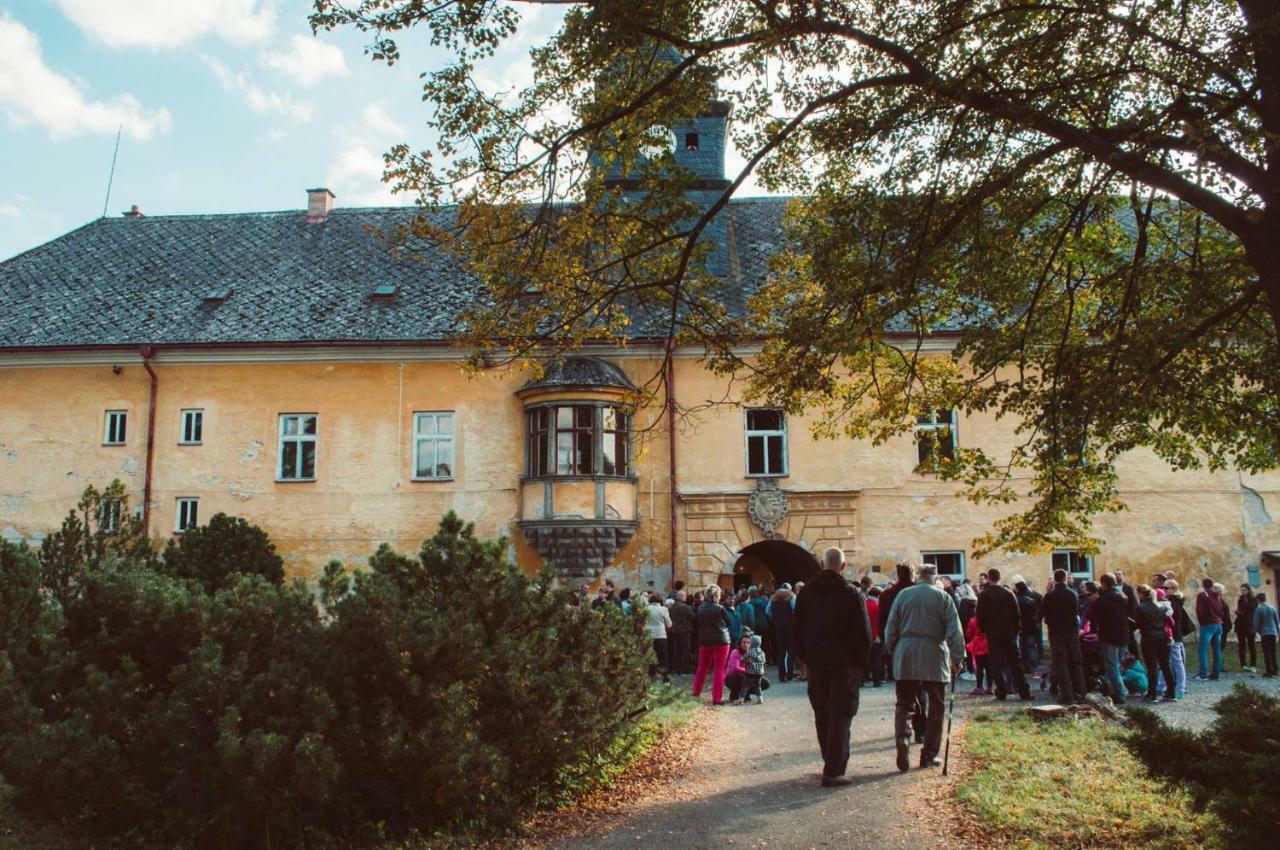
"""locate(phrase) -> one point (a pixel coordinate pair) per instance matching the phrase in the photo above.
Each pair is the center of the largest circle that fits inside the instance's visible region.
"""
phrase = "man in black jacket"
(1000, 621)
(1061, 614)
(833, 638)
(1109, 617)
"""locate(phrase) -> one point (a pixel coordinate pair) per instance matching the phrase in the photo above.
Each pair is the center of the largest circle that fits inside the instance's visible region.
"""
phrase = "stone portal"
(719, 527)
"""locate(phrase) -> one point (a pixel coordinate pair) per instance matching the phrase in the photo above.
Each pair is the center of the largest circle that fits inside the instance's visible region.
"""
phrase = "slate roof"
(136, 281)
(580, 372)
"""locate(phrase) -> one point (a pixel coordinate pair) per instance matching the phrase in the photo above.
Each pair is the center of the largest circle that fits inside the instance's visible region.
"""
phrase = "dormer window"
(691, 141)
(385, 290)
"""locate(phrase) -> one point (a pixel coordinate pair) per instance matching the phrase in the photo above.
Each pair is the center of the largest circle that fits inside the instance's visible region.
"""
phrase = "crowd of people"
(924, 631)
(1109, 636)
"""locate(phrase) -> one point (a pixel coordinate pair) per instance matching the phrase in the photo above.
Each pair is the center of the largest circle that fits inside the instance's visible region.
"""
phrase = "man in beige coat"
(924, 636)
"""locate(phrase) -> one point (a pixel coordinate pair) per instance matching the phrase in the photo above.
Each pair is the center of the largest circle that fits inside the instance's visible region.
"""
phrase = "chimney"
(134, 212)
(319, 203)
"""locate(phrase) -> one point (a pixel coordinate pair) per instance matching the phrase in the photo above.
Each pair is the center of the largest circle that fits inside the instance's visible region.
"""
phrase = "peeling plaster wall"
(52, 420)
(52, 424)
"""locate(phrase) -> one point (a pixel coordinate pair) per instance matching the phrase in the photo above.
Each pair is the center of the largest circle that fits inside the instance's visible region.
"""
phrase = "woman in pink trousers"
(713, 644)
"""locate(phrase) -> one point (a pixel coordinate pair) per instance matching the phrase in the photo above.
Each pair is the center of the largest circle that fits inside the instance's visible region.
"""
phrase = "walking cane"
(951, 712)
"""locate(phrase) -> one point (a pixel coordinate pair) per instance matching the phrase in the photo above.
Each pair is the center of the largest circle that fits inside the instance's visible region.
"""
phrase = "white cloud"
(356, 174)
(258, 98)
(378, 122)
(356, 178)
(33, 94)
(10, 211)
(307, 61)
(166, 24)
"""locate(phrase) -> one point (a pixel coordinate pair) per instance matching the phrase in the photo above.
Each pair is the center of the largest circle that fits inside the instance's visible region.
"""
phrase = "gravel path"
(758, 783)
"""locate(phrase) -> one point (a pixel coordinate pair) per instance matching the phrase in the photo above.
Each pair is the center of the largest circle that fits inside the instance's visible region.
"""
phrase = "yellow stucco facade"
(867, 500)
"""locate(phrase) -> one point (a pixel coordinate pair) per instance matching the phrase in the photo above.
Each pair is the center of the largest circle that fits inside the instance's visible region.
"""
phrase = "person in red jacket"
(977, 647)
(875, 664)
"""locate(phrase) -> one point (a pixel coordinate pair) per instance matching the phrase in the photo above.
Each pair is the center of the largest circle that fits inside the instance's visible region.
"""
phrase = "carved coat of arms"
(767, 506)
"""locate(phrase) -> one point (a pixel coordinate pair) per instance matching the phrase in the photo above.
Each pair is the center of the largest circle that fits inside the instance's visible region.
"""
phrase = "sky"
(226, 106)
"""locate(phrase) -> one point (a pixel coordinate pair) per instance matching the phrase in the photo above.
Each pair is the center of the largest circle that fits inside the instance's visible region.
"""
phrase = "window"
(615, 451)
(935, 432)
(691, 141)
(117, 423)
(766, 442)
(1078, 564)
(297, 447)
(575, 440)
(538, 428)
(579, 439)
(949, 564)
(109, 514)
(188, 514)
(192, 428)
(433, 446)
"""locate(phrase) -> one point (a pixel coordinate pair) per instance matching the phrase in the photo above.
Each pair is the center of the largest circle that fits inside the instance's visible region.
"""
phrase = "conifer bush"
(209, 706)
(1233, 767)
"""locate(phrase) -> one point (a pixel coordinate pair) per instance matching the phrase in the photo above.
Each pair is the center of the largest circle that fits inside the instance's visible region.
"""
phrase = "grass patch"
(1071, 784)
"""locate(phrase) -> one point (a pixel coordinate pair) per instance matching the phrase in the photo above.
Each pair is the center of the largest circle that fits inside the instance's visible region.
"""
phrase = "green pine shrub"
(1233, 767)
(205, 705)
(213, 554)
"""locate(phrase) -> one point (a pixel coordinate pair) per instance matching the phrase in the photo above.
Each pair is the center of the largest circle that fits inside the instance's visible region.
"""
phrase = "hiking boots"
(836, 781)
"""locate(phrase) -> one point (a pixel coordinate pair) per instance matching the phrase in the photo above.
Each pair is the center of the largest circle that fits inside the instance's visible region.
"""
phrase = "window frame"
(1088, 575)
(193, 520)
(191, 414)
(112, 417)
(435, 438)
(964, 562)
(301, 439)
(549, 466)
(748, 433)
(932, 427)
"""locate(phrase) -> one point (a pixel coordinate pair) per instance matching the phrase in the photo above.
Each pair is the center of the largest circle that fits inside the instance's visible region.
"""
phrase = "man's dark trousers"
(834, 697)
(1003, 655)
(679, 658)
(911, 692)
(1068, 665)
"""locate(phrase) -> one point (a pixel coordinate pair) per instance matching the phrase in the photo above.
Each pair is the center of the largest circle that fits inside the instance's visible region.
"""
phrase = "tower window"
(691, 141)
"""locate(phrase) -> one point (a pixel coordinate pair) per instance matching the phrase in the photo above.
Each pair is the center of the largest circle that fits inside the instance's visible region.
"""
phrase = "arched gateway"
(737, 538)
(773, 562)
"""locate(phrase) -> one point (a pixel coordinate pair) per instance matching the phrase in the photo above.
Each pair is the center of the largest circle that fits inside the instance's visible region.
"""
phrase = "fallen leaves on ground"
(666, 761)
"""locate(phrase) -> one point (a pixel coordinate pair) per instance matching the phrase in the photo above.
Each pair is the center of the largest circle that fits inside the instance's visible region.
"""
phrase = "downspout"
(147, 353)
(671, 452)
